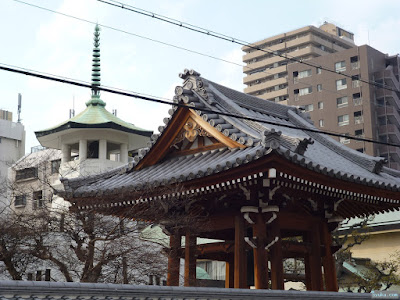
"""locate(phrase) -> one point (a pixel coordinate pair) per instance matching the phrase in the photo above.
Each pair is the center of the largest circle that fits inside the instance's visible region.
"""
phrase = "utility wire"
(65, 80)
(233, 40)
(164, 43)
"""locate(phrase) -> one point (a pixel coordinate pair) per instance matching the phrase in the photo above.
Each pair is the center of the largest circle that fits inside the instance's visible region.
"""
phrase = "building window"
(343, 120)
(55, 166)
(318, 70)
(319, 87)
(355, 64)
(37, 200)
(340, 66)
(303, 74)
(359, 133)
(357, 100)
(358, 117)
(355, 81)
(321, 123)
(309, 107)
(320, 105)
(341, 84)
(26, 173)
(342, 102)
(360, 150)
(20, 200)
(344, 140)
(305, 91)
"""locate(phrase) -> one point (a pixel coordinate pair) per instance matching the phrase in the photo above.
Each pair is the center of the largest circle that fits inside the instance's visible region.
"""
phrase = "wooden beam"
(173, 260)
(260, 254)
(277, 280)
(190, 260)
(328, 260)
(240, 257)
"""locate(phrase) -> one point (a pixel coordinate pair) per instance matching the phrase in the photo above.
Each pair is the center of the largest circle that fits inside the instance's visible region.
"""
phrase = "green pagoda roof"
(95, 115)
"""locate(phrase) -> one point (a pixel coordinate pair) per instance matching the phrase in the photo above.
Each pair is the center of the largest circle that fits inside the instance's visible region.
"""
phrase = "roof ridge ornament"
(302, 145)
(95, 99)
(186, 73)
(271, 138)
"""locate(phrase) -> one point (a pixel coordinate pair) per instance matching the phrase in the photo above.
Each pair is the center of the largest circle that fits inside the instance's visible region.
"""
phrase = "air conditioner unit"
(257, 81)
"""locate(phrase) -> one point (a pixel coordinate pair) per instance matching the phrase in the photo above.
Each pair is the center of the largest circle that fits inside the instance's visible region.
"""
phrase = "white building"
(12, 148)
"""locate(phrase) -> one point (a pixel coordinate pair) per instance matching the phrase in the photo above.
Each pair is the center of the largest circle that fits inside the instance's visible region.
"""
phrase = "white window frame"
(309, 107)
(340, 66)
(305, 91)
(342, 103)
(343, 120)
(304, 74)
(341, 84)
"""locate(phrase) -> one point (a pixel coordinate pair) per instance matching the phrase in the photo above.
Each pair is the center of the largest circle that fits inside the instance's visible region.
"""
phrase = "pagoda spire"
(95, 99)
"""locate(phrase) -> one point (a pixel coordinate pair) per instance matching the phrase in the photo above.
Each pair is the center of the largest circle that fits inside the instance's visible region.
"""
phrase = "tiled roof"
(312, 150)
(95, 116)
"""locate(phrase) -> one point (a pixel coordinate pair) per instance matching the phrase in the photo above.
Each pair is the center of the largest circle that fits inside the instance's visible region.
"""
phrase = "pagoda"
(95, 140)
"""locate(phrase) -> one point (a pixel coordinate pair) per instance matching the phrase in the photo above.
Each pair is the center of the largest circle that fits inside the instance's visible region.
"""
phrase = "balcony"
(391, 130)
(260, 75)
(356, 83)
(388, 75)
(390, 112)
(265, 85)
(273, 94)
(263, 63)
(391, 151)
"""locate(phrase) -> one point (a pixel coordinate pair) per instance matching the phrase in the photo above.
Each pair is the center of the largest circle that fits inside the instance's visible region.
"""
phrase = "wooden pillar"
(328, 260)
(307, 270)
(260, 254)
(315, 259)
(190, 260)
(173, 260)
(229, 272)
(277, 281)
(239, 259)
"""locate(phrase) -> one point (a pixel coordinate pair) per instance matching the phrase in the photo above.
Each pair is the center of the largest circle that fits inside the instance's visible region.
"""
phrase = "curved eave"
(289, 174)
(108, 125)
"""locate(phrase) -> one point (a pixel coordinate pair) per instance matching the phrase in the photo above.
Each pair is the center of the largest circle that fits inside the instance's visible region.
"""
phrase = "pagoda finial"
(95, 100)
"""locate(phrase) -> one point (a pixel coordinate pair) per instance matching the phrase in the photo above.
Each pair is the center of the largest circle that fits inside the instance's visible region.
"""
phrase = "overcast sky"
(44, 41)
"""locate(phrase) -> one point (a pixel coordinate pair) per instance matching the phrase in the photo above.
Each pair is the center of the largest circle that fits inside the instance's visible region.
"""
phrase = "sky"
(134, 54)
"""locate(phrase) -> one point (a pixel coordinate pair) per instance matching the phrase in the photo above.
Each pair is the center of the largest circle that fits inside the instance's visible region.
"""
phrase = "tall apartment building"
(12, 147)
(339, 101)
(266, 69)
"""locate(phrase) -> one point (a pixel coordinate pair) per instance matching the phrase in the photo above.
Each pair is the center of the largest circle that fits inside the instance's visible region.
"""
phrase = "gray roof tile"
(325, 155)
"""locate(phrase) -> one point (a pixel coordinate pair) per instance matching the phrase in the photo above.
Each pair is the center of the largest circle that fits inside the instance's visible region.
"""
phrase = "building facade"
(340, 99)
(12, 148)
(266, 68)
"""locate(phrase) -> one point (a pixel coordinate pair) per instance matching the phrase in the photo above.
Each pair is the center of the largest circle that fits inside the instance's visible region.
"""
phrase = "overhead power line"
(74, 82)
(233, 40)
(163, 43)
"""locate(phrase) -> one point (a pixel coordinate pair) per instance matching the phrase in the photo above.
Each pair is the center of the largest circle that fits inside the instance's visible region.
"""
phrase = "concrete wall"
(54, 290)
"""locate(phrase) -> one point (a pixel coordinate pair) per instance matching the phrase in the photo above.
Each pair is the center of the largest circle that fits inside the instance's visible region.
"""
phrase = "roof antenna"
(72, 111)
(19, 107)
